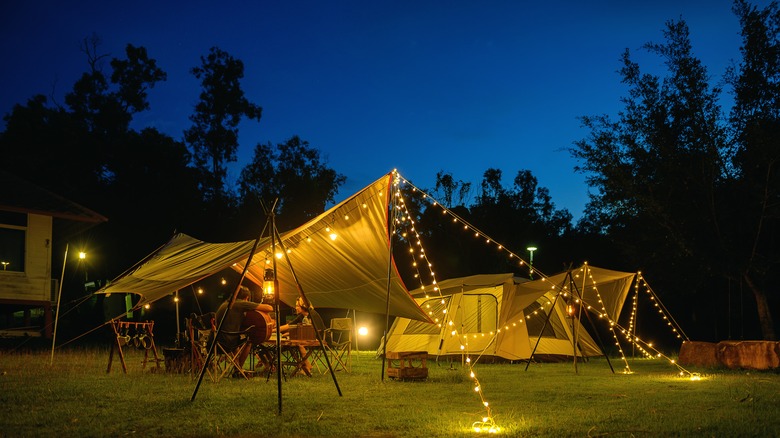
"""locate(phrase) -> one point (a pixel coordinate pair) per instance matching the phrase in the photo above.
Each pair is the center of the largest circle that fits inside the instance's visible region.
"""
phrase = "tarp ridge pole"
(391, 235)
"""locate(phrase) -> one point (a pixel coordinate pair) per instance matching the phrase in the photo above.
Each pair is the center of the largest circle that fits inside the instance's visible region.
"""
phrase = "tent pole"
(178, 322)
(57, 311)
(213, 343)
(355, 330)
(271, 223)
(317, 333)
(574, 327)
(546, 320)
(391, 231)
(595, 330)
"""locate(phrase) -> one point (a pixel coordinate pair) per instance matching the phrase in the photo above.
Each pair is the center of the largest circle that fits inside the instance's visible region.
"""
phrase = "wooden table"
(295, 353)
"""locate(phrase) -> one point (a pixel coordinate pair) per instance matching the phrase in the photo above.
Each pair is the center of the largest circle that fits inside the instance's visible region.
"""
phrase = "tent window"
(479, 314)
(553, 328)
(434, 309)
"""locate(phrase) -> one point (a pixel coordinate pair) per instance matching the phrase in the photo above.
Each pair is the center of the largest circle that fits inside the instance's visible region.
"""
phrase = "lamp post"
(531, 250)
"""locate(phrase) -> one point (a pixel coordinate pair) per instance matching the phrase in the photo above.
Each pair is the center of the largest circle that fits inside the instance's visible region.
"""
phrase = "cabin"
(31, 217)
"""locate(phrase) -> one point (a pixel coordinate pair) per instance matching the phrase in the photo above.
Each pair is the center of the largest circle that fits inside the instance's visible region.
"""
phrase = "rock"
(702, 354)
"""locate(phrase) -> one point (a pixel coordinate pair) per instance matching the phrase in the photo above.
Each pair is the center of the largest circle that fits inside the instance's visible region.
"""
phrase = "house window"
(13, 227)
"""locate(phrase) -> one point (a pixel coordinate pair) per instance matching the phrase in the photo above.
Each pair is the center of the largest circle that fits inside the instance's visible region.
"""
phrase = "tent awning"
(340, 259)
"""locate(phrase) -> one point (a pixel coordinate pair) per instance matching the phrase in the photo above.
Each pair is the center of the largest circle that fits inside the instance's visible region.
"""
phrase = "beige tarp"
(340, 258)
(588, 282)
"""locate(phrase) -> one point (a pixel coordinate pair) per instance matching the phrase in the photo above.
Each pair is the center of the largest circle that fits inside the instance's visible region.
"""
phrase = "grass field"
(76, 397)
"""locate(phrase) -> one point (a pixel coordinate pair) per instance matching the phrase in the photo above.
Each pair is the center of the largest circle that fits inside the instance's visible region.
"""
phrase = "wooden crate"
(302, 332)
(407, 365)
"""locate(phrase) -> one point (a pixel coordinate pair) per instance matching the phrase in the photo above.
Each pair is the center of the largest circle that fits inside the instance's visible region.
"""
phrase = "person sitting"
(229, 337)
(301, 317)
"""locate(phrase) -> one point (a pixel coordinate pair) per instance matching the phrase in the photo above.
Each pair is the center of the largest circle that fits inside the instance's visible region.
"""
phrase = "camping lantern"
(268, 283)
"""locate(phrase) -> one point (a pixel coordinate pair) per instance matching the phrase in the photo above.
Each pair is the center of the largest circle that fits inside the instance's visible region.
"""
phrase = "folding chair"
(226, 355)
(199, 333)
(339, 339)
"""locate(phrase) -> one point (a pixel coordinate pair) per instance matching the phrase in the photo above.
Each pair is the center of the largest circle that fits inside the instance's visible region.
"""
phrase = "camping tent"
(341, 259)
(500, 315)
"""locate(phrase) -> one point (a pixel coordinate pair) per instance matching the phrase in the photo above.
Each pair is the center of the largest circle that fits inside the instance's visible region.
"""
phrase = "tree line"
(679, 188)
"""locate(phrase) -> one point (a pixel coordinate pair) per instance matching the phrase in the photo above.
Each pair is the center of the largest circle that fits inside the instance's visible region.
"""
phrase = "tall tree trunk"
(764, 314)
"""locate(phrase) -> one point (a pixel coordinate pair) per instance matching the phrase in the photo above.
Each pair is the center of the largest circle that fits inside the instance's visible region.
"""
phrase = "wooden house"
(30, 218)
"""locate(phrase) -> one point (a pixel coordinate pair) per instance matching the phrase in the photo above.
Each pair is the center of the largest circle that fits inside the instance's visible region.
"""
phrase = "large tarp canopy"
(340, 259)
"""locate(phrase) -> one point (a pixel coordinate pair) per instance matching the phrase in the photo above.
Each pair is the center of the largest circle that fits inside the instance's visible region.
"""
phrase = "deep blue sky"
(459, 86)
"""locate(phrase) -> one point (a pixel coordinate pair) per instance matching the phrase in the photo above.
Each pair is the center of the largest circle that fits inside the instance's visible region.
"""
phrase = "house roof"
(22, 196)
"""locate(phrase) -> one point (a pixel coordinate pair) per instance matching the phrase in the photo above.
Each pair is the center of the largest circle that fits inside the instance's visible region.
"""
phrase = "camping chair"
(201, 330)
(226, 355)
(339, 338)
(199, 333)
(318, 355)
(336, 339)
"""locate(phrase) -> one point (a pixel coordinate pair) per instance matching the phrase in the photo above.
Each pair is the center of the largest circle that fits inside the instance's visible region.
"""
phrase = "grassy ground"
(76, 397)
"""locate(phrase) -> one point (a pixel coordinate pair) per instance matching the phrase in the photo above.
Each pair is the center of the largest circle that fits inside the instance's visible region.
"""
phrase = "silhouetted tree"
(752, 242)
(662, 175)
(293, 173)
(213, 136)
(86, 152)
(513, 216)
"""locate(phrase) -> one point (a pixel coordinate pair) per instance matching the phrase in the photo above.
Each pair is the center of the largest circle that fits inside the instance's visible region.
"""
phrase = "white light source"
(531, 250)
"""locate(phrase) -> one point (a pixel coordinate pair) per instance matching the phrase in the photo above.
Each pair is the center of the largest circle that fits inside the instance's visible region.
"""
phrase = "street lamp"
(82, 259)
(531, 250)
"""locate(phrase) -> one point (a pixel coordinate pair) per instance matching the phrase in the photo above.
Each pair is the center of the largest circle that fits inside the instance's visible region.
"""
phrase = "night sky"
(458, 86)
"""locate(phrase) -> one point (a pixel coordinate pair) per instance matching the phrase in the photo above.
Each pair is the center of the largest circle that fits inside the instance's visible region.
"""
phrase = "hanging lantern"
(269, 283)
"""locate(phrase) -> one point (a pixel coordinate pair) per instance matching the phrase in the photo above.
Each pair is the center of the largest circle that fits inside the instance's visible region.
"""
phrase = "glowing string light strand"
(644, 346)
(466, 226)
(603, 314)
(487, 424)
